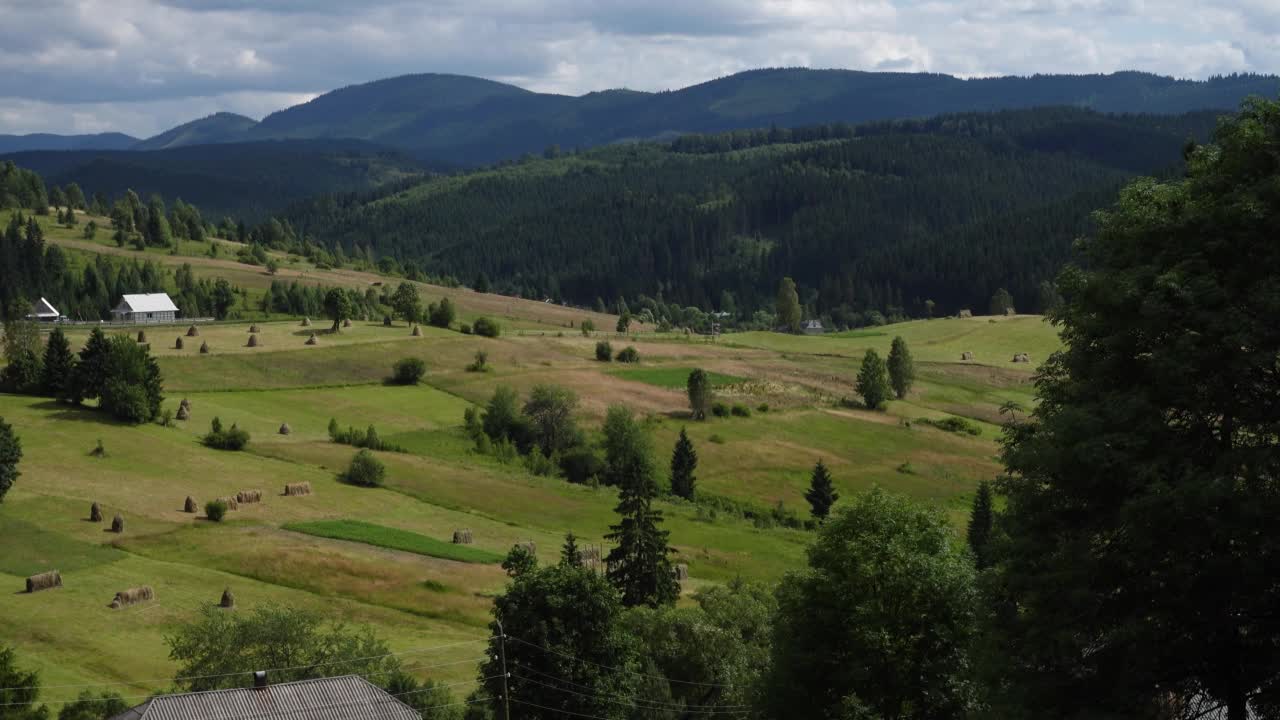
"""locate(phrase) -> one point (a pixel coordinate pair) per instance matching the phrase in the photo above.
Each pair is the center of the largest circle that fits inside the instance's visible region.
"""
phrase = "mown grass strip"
(393, 539)
(675, 378)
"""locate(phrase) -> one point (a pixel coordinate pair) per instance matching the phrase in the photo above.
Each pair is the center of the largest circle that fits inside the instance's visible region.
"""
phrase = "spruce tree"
(684, 460)
(569, 552)
(821, 493)
(56, 379)
(638, 564)
(981, 519)
(10, 455)
(902, 369)
(873, 381)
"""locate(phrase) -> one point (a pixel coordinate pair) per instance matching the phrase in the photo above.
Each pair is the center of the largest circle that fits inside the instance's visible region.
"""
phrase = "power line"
(616, 669)
(653, 705)
(414, 651)
(588, 688)
(557, 710)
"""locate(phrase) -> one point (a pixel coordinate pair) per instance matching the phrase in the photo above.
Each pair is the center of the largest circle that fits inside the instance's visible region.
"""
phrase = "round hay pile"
(228, 600)
(193, 331)
(311, 340)
(230, 502)
(253, 328)
(95, 513)
(306, 322)
(386, 321)
(680, 572)
(249, 496)
(204, 348)
(346, 323)
(44, 581)
(142, 336)
(183, 413)
(190, 505)
(966, 313)
(132, 596)
(253, 341)
(177, 344)
(295, 489)
(966, 355)
(117, 523)
(1022, 358)
(285, 429)
(462, 537)
(417, 331)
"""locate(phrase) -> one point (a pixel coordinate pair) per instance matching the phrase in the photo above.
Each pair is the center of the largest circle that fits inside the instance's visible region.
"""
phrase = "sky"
(143, 66)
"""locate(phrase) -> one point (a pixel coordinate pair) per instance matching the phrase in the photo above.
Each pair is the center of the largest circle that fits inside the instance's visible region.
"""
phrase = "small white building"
(148, 308)
(812, 327)
(44, 311)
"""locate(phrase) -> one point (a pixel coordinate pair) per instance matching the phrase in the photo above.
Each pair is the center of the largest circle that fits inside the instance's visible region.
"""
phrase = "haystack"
(311, 340)
(193, 331)
(680, 572)
(249, 496)
(966, 313)
(1022, 358)
(386, 321)
(966, 355)
(285, 429)
(529, 546)
(185, 402)
(253, 341)
(346, 322)
(204, 348)
(306, 322)
(299, 488)
(117, 523)
(95, 513)
(44, 581)
(183, 413)
(228, 600)
(230, 502)
(417, 331)
(142, 336)
(133, 596)
(177, 344)
(190, 505)
(462, 537)
(253, 328)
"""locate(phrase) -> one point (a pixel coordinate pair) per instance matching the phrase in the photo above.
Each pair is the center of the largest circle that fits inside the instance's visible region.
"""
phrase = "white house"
(813, 327)
(44, 311)
(148, 308)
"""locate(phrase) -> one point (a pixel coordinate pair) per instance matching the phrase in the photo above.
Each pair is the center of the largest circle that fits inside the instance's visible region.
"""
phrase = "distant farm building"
(151, 307)
(813, 327)
(348, 696)
(44, 311)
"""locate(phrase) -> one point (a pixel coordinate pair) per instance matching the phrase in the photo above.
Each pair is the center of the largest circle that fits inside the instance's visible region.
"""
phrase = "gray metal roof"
(148, 302)
(349, 697)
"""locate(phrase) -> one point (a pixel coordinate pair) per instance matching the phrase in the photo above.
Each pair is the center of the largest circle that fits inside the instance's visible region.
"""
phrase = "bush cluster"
(953, 424)
(232, 438)
(485, 327)
(365, 470)
(628, 354)
(408, 371)
(361, 438)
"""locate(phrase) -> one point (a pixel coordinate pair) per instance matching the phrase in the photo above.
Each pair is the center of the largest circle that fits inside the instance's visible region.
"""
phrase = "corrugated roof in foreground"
(349, 697)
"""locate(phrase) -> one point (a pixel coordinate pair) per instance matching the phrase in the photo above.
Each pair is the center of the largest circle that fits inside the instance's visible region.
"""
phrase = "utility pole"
(502, 653)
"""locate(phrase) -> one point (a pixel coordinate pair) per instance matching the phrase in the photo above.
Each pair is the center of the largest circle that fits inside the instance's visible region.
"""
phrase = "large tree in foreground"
(879, 624)
(1139, 575)
(10, 456)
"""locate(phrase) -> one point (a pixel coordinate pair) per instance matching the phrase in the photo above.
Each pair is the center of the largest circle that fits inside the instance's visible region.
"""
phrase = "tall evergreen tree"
(699, 389)
(57, 380)
(638, 564)
(902, 369)
(570, 554)
(91, 369)
(1001, 303)
(1142, 494)
(873, 381)
(821, 493)
(981, 522)
(684, 461)
(10, 456)
(788, 305)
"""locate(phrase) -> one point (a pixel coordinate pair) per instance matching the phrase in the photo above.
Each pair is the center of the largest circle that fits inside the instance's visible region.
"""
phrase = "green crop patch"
(30, 549)
(393, 539)
(675, 378)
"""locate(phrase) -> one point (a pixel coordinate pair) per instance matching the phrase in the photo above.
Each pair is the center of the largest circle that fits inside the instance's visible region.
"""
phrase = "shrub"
(230, 439)
(538, 464)
(505, 451)
(588, 327)
(465, 328)
(762, 407)
(953, 424)
(628, 354)
(716, 439)
(604, 351)
(408, 371)
(740, 410)
(215, 510)
(581, 465)
(481, 363)
(719, 409)
(365, 470)
(485, 327)
(441, 314)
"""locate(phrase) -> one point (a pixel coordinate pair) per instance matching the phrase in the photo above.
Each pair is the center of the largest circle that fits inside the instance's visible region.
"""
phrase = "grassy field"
(391, 538)
(382, 556)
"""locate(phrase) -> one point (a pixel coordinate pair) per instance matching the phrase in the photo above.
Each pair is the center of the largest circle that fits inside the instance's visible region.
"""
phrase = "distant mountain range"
(454, 120)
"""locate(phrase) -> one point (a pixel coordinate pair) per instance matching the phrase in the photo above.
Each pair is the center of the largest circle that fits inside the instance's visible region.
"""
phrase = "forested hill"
(243, 180)
(879, 217)
(48, 141)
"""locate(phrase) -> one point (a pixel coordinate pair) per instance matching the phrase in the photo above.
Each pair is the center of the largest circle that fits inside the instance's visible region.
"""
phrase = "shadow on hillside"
(78, 413)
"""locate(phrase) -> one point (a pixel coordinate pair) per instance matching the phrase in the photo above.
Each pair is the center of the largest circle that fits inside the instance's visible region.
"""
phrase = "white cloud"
(143, 65)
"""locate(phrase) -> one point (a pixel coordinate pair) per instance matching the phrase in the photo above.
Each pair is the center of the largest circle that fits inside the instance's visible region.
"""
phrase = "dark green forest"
(874, 218)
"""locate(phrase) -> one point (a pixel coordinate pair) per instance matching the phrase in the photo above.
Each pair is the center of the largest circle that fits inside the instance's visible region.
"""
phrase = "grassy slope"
(391, 538)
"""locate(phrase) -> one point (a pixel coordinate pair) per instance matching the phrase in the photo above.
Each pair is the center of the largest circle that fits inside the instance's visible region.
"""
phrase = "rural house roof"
(44, 308)
(349, 697)
(149, 302)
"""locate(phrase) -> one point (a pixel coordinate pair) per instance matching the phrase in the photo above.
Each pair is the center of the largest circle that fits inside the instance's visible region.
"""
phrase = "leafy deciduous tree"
(902, 369)
(873, 381)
